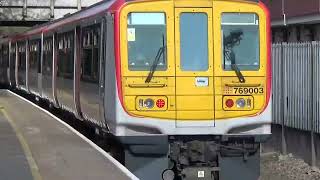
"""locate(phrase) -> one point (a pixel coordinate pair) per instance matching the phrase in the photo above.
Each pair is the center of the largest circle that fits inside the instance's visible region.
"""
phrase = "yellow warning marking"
(32, 163)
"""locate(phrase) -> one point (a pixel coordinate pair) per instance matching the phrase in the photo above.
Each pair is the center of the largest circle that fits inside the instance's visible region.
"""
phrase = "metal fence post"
(313, 151)
(283, 104)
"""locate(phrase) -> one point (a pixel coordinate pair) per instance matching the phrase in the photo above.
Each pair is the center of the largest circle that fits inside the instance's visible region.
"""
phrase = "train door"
(105, 30)
(194, 67)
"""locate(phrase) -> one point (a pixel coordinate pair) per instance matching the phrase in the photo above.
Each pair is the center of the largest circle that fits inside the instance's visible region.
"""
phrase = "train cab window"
(240, 41)
(146, 36)
(90, 53)
(194, 41)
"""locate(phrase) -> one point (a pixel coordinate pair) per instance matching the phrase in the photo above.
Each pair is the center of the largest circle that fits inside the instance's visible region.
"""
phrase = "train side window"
(12, 63)
(5, 56)
(90, 53)
(2, 60)
(69, 53)
(31, 54)
(38, 55)
(194, 41)
(47, 56)
(12, 54)
(21, 56)
(1, 57)
(34, 56)
(65, 55)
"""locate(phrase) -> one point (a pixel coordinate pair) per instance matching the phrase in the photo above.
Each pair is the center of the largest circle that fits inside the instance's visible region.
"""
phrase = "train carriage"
(184, 86)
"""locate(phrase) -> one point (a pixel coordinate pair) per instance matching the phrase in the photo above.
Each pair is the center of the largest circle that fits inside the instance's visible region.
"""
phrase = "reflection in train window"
(47, 56)
(21, 56)
(12, 55)
(34, 56)
(1, 58)
(6, 56)
(65, 55)
(2, 65)
(21, 63)
(90, 54)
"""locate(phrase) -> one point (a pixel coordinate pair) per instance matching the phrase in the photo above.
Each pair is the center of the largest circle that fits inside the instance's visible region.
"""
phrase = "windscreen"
(240, 41)
(146, 36)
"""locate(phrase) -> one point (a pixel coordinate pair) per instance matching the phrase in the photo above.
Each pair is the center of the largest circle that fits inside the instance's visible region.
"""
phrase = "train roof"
(91, 11)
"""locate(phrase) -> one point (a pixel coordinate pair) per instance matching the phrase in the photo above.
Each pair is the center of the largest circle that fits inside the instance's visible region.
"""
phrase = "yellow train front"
(193, 82)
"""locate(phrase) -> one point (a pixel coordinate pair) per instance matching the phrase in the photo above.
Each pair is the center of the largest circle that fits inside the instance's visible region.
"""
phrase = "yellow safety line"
(32, 163)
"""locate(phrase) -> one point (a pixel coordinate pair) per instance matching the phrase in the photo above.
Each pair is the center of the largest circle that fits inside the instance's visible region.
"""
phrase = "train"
(184, 86)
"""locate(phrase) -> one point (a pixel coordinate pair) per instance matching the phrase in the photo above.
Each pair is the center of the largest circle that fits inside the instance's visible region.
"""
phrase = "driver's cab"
(205, 60)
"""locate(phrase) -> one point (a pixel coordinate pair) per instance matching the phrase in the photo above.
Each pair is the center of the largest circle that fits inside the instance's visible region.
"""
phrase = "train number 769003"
(248, 90)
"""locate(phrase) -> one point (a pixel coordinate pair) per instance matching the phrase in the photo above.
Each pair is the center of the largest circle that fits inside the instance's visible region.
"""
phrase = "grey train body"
(49, 66)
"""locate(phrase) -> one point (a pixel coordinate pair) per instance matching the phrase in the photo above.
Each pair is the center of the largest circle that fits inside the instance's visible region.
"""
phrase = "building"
(294, 20)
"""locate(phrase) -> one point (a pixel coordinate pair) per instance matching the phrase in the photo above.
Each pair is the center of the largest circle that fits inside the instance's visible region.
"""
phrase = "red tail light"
(229, 103)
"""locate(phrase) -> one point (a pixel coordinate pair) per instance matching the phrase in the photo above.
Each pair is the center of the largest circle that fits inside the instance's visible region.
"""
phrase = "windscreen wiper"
(229, 42)
(235, 67)
(238, 73)
(156, 61)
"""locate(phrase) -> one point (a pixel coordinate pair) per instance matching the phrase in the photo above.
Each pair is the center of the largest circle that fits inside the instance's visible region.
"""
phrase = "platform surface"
(36, 146)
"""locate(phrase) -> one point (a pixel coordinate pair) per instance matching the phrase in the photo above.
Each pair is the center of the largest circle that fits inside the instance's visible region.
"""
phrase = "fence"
(296, 85)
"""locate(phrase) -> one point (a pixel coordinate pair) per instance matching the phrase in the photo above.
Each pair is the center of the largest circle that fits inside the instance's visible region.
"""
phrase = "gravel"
(286, 167)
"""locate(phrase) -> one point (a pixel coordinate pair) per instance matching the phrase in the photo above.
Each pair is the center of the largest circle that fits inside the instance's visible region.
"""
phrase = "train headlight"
(149, 103)
(241, 103)
(238, 103)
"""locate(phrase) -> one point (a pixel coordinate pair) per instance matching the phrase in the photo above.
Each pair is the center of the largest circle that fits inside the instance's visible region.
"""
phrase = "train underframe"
(207, 157)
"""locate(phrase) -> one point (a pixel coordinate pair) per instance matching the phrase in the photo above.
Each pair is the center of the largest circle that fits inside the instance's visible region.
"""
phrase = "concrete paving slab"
(58, 152)
(13, 162)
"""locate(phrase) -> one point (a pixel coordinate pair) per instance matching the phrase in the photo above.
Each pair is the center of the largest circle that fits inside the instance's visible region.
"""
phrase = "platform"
(35, 145)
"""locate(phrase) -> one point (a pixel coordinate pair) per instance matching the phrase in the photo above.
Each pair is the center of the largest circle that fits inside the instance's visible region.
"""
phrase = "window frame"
(244, 8)
(93, 30)
(165, 7)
